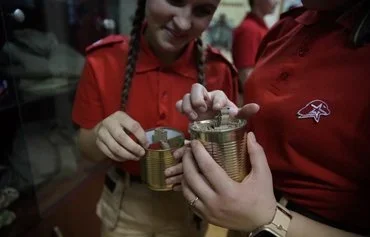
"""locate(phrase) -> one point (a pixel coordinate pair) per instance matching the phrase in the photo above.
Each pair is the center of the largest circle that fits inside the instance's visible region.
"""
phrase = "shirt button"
(164, 94)
(283, 76)
(302, 51)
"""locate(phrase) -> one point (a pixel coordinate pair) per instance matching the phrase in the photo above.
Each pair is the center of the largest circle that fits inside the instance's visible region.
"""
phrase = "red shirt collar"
(185, 65)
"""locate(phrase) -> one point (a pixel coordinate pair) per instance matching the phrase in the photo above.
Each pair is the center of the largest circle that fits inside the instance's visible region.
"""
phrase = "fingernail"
(233, 111)
(193, 115)
(217, 106)
(252, 137)
(142, 152)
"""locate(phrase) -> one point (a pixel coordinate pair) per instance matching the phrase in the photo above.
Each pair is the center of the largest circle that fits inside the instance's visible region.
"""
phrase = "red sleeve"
(87, 108)
(245, 45)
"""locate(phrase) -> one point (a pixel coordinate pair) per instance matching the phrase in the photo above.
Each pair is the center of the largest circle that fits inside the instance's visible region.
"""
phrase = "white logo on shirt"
(315, 109)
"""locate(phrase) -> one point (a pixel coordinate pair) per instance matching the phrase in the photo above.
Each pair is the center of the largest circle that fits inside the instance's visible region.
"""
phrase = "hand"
(174, 174)
(115, 143)
(241, 206)
(200, 104)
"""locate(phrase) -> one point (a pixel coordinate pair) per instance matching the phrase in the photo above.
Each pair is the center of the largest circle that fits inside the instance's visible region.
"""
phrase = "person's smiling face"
(172, 24)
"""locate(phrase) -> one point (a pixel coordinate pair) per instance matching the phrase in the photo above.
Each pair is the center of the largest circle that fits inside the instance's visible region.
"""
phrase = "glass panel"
(41, 59)
(18, 203)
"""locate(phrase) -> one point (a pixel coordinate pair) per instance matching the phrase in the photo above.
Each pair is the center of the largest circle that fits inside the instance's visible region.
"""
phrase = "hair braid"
(134, 48)
(200, 62)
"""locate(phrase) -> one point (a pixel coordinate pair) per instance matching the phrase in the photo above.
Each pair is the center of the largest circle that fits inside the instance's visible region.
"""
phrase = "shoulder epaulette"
(109, 40)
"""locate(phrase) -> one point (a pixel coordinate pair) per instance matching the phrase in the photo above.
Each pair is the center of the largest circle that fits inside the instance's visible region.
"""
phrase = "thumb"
(257, 155)
(247, 111)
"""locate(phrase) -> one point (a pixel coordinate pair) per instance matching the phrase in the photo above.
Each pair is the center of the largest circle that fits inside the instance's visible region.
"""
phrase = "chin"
(172, 47)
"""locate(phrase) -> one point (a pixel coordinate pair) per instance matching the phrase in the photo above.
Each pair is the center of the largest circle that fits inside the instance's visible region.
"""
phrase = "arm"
(243, 206)
(87, 112)
(244, 50)
(102, 136)
(301, 226)
(87, 145)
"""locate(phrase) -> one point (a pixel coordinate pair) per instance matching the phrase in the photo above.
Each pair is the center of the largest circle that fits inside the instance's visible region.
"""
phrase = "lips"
(176, 34)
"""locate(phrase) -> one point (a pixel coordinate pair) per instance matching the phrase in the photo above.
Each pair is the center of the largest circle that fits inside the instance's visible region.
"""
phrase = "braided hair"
(200, 59)
(134, 48)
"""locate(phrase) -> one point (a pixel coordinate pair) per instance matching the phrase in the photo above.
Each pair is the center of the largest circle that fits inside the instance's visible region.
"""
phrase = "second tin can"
(163, 141)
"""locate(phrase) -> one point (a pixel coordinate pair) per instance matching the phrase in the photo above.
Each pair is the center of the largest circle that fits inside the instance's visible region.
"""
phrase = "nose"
(182, 19)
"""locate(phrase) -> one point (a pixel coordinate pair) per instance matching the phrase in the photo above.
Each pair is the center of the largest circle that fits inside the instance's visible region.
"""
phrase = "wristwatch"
(279, 225)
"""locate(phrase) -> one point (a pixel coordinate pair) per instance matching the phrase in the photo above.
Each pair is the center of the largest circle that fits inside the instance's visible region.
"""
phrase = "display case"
(41, 58)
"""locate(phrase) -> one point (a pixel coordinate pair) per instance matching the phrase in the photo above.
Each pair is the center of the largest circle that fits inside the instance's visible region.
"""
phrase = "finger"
(214, 174)
(247, 111)
(198, 206)
(220, 100)
(135, 128)
(187, 108)
(125, 140)
(179, 106)
(179, 153)
(114, 146)
(106, 151)
(194, 179)
(174, 170)
(199, 97)
(257, 155)
(177, 188)
(174, 180)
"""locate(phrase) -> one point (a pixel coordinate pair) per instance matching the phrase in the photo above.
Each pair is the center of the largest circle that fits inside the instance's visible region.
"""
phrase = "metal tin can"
(225, 139)
(163, 141)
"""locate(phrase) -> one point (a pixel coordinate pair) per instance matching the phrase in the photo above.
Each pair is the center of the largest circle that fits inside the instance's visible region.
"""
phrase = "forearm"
(301, 226)
(88, 147)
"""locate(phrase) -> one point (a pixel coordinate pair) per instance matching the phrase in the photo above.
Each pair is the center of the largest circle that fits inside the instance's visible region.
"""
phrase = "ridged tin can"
(225, 139)
(163, 141)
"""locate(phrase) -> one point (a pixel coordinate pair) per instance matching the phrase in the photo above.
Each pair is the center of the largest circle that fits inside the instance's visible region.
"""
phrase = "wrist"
(266, 217)
(278, 226)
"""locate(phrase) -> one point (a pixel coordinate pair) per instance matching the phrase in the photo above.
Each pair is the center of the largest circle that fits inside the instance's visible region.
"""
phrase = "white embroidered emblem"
(315, 109)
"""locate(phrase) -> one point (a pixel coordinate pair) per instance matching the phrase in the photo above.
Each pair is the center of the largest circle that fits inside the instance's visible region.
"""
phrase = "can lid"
(222, 122)
(163, 138)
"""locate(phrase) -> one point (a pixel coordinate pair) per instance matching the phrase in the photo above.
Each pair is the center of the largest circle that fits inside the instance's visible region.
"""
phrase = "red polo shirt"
(314, 122)
(155, 88)
(246, 39)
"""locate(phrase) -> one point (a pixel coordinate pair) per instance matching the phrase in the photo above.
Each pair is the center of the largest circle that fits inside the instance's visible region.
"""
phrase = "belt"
(313, 216)
(133, 178)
